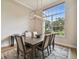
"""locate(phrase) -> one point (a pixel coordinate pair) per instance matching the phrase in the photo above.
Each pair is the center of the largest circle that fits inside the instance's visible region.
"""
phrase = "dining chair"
(28, 34)
(21, 48)
(34, 34)
(51, 42)
(44, 46)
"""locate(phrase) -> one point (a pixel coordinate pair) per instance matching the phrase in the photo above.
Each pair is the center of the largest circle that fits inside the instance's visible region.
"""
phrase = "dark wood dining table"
(33, 42)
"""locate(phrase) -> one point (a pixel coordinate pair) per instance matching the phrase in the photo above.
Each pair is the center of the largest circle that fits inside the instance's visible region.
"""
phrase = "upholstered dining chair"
(51, 42)
(44, 46)
(34, 34)
(28, 34)
(21, 48)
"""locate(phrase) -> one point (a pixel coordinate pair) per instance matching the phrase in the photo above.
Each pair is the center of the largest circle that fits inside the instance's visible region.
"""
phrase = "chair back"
(20, 44)
(46, 41)
(23, 39)
(52, 38)
(28, 34)
(34, 34)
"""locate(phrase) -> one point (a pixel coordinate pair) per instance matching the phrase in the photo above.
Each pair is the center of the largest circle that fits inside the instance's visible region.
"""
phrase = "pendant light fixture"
(34, 13)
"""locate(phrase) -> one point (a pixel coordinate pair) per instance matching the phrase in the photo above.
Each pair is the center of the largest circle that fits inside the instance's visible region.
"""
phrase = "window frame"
(57, 14)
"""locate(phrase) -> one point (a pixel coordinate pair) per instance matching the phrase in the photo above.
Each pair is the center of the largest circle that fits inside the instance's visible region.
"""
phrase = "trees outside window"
(55, 19)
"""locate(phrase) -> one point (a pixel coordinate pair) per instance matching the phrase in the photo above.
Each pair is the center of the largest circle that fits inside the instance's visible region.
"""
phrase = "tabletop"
(34, 41)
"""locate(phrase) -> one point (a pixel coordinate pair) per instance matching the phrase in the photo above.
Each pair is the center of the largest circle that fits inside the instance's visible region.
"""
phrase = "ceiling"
(35, 4)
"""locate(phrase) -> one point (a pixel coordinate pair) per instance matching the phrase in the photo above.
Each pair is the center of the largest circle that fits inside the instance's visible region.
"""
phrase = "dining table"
(33, 42)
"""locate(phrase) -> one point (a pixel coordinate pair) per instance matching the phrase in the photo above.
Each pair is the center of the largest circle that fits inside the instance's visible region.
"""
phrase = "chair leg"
(35, 52)
(43, 54)
(48, 51)
(24, 56)
(50, 48)
(30, 55)
(53, 45)
(17, 54)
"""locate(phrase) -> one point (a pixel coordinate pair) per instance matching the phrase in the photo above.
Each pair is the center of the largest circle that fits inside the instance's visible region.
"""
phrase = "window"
(54, 19)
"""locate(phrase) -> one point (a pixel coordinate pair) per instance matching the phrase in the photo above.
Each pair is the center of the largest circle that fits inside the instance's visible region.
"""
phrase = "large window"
(54, 19)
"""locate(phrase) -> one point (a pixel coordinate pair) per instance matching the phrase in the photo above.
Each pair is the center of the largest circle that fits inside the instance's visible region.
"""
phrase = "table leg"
(33, 52)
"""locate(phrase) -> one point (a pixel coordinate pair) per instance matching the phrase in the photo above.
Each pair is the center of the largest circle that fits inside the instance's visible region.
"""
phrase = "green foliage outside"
(56, 26)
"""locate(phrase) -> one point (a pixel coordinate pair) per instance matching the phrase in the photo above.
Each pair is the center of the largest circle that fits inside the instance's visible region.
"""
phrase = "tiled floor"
(59, 53)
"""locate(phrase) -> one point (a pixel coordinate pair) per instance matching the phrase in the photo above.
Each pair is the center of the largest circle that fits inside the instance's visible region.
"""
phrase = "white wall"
(14, 18)
(70, 38)
(71, 22)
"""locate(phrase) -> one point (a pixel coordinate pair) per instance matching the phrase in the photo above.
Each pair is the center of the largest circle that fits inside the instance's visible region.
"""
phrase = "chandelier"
(35, 13)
